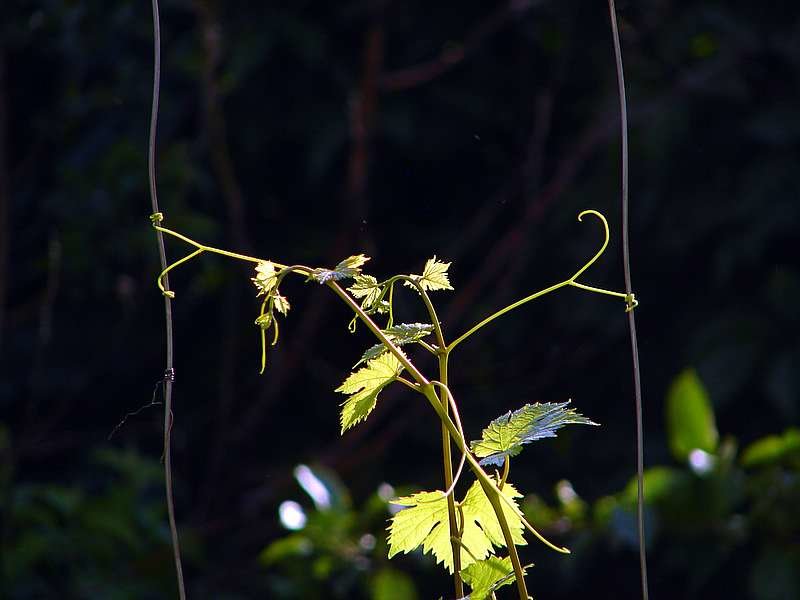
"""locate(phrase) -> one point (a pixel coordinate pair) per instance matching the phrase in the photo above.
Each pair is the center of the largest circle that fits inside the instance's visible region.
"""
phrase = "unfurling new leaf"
(404, 333)
(434, 276)
(364, 385)
(266, 278)
(281, 304)
(349, 267)
(506, 435)
(366, 287)
(425, 523)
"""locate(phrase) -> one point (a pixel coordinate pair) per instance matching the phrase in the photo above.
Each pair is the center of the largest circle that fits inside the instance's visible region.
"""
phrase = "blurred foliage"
(298, 132)
(102, 537)
(340, 552)
(718, 523)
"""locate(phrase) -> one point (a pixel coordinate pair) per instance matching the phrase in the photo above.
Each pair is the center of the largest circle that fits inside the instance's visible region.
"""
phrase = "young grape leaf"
(404, 333)
(506, 435)
(266, 278)
(485, 576)
(434, 276)
(425, 523)
(364, 385)
(280, 303)
(349, 267)
(366, 287)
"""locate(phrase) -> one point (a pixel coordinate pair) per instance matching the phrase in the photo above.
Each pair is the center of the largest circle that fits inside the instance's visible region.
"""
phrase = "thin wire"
(168, 381)
(637, 382)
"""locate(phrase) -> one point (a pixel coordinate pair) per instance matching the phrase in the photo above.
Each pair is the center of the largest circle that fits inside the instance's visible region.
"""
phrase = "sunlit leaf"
(363, 387)
(404, 333)
(349, 267)
(425, 523)
(265, 279)
(434, 276)
(485, 576)
(506, 435)
(690, 416)
(281, 304)
(366, 287)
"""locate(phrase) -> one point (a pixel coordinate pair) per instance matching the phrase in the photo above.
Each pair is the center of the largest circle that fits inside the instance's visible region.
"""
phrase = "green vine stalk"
(490, 500)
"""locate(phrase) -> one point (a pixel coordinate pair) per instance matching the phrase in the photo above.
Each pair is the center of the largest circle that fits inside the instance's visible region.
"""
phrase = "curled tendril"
(599, 253)
(630, 302)
(160, 281)
(630, 299)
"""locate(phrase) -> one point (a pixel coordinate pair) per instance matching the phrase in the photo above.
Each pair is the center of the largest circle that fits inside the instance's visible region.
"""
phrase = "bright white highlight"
(700, 461)
(292, 515)
(313, 486)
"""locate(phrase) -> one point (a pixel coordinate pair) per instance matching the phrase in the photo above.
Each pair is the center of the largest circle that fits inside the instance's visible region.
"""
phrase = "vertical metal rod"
(168, 374)
(637, 382)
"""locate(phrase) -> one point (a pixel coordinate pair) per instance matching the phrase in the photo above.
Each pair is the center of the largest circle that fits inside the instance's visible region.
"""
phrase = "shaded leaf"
(690, 416)
(389, 584)
(485, 576)
(425, 523)
(349, 267)
(506, 434)
(659, 483)
(773, 449)
(363, 387)
(404, 333)
(434, 276)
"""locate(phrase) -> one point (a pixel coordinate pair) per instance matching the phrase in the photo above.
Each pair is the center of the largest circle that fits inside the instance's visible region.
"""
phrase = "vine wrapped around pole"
(169, 373)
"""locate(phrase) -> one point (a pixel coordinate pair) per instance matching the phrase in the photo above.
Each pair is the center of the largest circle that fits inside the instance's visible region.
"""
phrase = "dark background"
(308, 131)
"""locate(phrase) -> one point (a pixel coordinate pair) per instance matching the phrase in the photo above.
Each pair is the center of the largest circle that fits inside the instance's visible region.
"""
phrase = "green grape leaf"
(348, 268)
(425, 522)
(280, 303)
(363, 387)
(434, 276)
(485, 576)
(266, 277)
(367, 288)
(506, 435)
(404, 333)
(773, 449)
(478, 511)
(690, 416)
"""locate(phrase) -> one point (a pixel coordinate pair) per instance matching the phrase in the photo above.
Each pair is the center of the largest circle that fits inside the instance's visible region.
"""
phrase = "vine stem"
(441, 405)
(427, 389)
(447, 459)
(637, 382)
(168, 379)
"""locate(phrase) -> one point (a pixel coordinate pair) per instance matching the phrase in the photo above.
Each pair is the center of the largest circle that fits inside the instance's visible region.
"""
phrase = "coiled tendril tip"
(630, 302)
